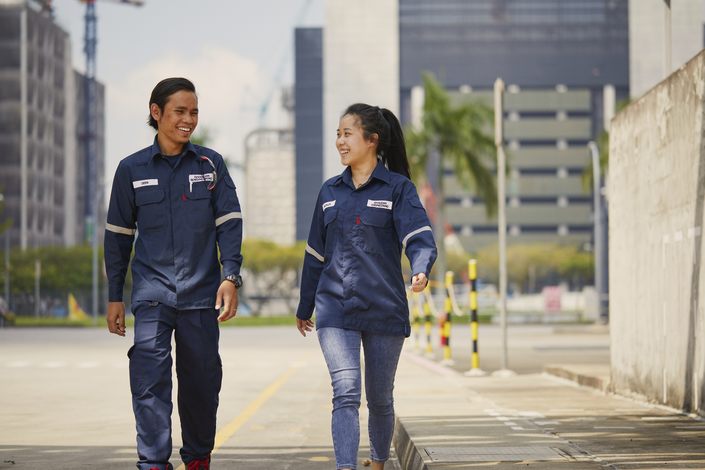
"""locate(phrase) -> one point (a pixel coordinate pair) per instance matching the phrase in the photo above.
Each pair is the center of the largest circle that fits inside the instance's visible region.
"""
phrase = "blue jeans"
(198, 369)
(341, 349)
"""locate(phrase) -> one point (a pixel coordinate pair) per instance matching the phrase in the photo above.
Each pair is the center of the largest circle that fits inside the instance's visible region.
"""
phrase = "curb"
(408, 455)
(602, 383)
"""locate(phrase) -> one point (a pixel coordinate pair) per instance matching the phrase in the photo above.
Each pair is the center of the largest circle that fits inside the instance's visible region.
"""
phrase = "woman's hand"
(418, 282)
(304, 326)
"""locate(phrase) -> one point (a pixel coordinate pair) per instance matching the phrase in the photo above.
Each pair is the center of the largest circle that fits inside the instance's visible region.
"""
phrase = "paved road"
(65, 401)
(65, 404)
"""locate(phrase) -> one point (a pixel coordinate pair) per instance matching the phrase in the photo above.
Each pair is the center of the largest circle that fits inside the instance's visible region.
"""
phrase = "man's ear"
(155, 111)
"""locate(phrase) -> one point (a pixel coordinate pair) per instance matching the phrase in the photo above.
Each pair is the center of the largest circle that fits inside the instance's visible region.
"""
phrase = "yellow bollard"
(427, 323)
(445, 338)
(416, 324)
(475, 359)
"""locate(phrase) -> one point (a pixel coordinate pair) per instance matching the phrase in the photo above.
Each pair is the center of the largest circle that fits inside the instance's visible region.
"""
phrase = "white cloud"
(224, 82)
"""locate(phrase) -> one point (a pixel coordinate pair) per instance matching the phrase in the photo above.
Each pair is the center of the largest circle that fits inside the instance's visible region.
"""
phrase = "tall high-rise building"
(42, 163)
(647, 48)
(308, 123)
(565, 62)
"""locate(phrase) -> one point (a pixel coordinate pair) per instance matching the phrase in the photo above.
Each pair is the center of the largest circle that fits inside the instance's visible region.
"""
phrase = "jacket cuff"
(230, 267)
(115, 294)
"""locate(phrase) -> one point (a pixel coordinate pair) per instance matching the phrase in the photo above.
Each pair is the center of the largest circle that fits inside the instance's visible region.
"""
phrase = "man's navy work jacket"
(179, 220)
(352, 267)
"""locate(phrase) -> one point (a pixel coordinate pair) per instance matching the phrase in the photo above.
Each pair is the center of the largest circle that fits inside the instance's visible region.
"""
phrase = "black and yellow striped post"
(415, 321)
(445, 337)
(475, 358)
(427, 322)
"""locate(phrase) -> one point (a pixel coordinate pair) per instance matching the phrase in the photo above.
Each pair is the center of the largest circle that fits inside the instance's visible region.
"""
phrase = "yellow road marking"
(249, 411)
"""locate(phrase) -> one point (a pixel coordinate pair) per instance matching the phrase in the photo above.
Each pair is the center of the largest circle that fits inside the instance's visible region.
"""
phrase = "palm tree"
(461, 138)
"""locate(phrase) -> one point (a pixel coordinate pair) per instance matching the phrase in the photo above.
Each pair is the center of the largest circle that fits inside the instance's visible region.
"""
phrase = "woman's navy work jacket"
(179, 221)
(352, 267)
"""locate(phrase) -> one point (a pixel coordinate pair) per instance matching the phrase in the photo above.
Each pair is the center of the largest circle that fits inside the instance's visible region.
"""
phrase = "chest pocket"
(377, 228)
(199, 212)
(151, 214)
(329, 217)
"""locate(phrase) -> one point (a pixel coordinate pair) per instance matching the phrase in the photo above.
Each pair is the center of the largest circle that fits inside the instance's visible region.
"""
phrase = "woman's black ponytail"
(390, 143)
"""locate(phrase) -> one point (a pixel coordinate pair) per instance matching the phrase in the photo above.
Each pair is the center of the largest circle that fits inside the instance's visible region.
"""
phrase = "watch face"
(237, 280)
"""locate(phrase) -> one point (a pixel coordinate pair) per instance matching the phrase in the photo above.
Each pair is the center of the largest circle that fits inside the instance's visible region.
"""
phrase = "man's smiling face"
(176, 122)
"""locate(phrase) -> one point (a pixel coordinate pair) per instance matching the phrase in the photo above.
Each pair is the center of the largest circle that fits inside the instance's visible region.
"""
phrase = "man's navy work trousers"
(199, 373)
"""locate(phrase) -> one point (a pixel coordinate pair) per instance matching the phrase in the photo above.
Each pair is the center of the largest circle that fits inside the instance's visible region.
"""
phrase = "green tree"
(272, 271)
(532, 266)
(8, 222)
(459, 135)
(603, 145)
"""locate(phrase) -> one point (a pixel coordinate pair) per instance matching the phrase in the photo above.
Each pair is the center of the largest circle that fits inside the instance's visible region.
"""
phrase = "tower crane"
(91, 114)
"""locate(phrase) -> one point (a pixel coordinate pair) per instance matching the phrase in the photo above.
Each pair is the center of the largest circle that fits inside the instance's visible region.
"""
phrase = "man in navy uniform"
(180, 200)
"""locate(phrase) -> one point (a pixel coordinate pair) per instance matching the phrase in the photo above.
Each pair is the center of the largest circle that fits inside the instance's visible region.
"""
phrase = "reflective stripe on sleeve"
(422, 229)
(314, 253)
(233, 215)
(122, 230)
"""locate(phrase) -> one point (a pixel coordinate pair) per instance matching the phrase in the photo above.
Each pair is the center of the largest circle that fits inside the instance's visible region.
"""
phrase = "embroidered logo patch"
(141, 183)
(328, 204)
(198, 178)
(380, 204)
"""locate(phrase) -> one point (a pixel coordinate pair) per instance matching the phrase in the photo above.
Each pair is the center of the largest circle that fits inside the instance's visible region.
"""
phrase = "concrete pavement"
(65, 404)
(448, 421)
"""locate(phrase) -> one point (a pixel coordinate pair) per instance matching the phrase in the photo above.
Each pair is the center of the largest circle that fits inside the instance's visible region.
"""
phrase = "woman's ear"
(374, 139)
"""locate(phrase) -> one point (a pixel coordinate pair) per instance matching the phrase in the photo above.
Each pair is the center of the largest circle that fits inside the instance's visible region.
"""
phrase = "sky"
(238, 53)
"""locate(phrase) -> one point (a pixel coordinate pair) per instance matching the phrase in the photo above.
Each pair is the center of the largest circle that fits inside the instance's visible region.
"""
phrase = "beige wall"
(646, 26)
(656, 203)
(360, 64)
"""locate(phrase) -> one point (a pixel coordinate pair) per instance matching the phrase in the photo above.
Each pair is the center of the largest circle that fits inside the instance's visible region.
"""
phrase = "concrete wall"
(360, 64)
(656, 203)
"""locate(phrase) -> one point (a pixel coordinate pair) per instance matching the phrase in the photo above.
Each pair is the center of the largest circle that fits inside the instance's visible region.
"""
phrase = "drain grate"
(493, 454)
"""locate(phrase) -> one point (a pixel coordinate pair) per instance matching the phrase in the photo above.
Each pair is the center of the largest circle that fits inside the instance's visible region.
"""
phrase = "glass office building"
(560, 59)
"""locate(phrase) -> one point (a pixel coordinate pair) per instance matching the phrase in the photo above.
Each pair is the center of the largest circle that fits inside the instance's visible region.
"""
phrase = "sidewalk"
(562, 418)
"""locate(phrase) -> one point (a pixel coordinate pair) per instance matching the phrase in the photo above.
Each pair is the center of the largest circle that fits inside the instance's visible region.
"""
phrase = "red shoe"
(199, 464)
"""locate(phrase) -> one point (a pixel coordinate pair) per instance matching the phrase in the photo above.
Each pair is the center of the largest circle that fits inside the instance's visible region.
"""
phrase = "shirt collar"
(380, 172)
(155, 150)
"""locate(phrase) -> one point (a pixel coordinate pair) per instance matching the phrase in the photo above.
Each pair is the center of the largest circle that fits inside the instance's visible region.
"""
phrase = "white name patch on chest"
(328, 204)
(197, 179)
(380, 204)
(141, 183)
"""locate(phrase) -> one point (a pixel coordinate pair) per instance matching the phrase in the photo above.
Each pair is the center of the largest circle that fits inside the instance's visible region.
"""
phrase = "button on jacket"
(178, 220)
(352, 267)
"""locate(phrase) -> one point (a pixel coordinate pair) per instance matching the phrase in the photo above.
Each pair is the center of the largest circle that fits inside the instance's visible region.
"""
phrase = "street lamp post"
(598, 224)
(94, 241)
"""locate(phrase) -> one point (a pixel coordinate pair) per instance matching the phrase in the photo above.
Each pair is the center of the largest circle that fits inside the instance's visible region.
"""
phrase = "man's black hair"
(163, 91)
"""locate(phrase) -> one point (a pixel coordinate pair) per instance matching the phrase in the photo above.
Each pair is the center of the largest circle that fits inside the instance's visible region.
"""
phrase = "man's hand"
(116, 318)
(418, 282)
(228, 298)
(304, 326)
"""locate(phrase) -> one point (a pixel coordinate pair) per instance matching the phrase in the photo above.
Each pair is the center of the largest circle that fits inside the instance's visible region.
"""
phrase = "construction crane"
(90, 143)
(91, 115)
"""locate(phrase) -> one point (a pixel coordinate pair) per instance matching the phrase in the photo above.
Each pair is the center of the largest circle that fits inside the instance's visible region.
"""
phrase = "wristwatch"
(235, 279)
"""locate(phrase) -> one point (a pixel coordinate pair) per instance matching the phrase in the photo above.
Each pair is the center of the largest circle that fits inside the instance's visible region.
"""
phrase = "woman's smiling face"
(351, 143)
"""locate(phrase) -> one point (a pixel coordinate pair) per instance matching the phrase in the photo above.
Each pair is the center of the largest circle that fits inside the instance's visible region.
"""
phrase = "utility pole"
(666, 38)
(599, 245)
(502, 222)
(94, 241)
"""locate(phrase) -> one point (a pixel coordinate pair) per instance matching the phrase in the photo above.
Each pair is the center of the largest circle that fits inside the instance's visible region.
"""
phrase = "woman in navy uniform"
(364, 219)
